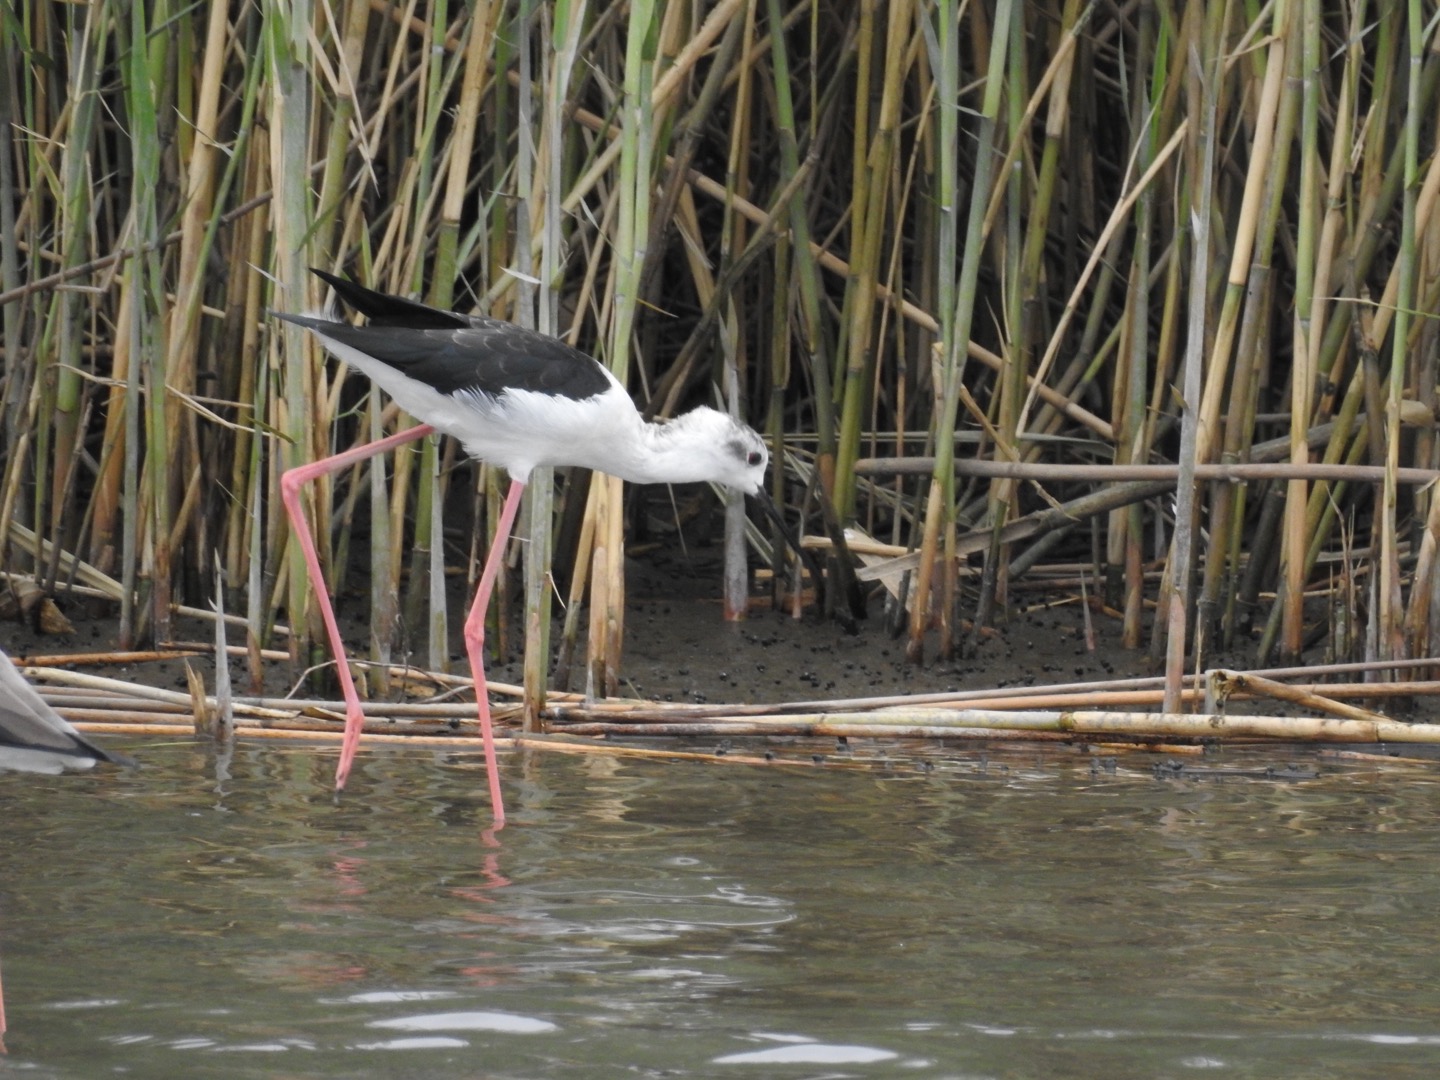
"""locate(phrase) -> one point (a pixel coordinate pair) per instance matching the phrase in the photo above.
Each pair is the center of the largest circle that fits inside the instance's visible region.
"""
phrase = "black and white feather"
(521, 399)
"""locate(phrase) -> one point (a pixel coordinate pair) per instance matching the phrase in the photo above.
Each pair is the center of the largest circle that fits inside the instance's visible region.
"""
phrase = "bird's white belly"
(524, 429)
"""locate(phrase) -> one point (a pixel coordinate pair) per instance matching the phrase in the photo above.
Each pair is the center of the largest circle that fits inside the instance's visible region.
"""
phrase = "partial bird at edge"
(34, 737)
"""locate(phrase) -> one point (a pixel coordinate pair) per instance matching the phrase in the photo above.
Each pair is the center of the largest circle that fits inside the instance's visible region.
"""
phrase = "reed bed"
(888, 732)
(1145, 287)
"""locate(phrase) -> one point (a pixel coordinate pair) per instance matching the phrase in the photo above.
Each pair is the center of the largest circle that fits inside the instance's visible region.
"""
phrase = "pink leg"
(290, 484)
(475, 639)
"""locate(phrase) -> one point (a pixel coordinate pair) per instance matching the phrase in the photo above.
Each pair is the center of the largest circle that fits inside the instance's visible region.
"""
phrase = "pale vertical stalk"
(243, 300)
(871, 199)
(261, 450)
(1302, 381)
(1253, 345)
(540, 211)
(335, 175)
(1018, 271)
(430, 517)
(402, 479)
(1317, 330)
(523, 313)
(130, 525)
(500, 114)
(86, 46)
(1150, 62)
(568, 20)
(780, 339)
(807, 271)
(1375, 169)
(1345, 443)
(110, 513)
(1381, 175)
(1204, 84)
(637, 140)
(940, 513)
(1422, 616)
(539, 515)
(384, 568)
(10, 314)
(736, 583)
(287, 33)
(864, 64)
(540, 492)
(156, 464)
(943, 38)
(600, 674)
(1319, 507)
(1218, 369)
(145, 332)
(197, 212)
(479, 41)
(1222, 559)
(584, 558)
(1419, 617)
(732, 240)
(432, 498)
(1390, 613)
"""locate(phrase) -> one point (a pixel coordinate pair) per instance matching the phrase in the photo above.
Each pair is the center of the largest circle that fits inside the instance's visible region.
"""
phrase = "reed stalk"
(941, 507)
(633, 227)
(1256, 311)
(287, 53)
(1389, 616)
(10, 313)
(1204, 72)
(1308, 315)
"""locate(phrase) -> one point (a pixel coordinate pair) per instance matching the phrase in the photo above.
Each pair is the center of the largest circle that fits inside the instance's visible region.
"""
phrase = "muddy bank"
(679, 648)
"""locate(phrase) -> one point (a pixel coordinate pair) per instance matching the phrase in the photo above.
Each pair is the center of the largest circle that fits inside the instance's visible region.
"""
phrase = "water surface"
(1016, 915)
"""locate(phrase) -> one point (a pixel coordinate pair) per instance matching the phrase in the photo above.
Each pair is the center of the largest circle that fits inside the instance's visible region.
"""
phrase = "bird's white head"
(705, 444)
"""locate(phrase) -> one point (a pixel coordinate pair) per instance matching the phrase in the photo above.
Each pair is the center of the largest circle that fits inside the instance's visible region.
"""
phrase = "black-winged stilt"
(517, 399)
(33, 736)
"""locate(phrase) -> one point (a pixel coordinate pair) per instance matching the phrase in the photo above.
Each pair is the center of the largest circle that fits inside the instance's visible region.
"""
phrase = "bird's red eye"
(754, 458)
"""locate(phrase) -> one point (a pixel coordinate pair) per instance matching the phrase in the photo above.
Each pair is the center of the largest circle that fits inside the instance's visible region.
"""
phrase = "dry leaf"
(51, 620)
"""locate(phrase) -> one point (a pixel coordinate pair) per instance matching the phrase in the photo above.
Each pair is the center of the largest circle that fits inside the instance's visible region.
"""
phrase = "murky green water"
(662, 919)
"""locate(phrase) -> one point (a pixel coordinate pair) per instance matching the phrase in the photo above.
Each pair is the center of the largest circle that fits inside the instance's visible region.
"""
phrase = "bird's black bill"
(845, 616)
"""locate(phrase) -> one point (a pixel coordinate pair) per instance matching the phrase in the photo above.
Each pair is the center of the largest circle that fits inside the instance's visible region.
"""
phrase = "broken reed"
(871, 227)
(1040, 714)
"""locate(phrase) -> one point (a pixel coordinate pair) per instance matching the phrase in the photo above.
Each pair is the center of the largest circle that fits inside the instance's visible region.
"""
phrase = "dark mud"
(677, 647)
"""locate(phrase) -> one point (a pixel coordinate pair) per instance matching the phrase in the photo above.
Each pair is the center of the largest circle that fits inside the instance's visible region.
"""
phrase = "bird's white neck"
(664, 453)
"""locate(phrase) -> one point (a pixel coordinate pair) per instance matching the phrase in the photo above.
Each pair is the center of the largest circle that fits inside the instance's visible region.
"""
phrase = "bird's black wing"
(487, 357)
(457, 353)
